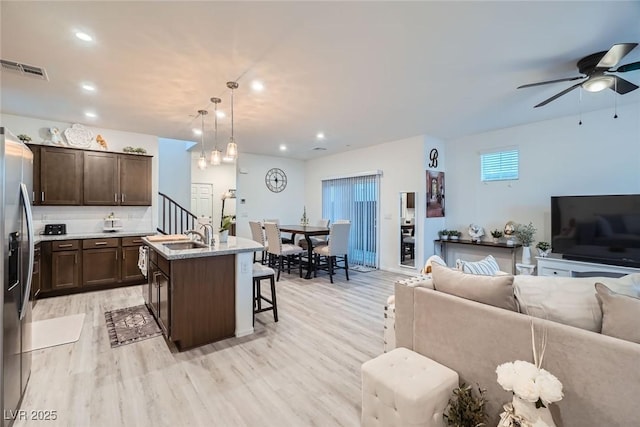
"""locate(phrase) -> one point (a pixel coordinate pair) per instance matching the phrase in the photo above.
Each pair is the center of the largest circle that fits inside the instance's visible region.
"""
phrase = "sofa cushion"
(492, 290)
(569, 300)
(486, 267)
(620, 314)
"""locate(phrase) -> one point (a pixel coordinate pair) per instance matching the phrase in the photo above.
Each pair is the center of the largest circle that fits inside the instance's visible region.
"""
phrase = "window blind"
(499, 165)
(355, 199)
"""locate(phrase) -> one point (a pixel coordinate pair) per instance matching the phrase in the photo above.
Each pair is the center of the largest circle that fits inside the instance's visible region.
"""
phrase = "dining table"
(307, 231)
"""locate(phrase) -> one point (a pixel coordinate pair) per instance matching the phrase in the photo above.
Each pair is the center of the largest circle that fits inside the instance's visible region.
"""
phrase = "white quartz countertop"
(234, 245)
(91, 235)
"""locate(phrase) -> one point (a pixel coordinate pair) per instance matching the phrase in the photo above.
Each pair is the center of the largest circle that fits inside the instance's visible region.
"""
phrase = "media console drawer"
(560, 267)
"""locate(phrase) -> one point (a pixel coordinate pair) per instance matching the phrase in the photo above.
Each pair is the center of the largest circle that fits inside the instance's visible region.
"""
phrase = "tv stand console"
(552, 266)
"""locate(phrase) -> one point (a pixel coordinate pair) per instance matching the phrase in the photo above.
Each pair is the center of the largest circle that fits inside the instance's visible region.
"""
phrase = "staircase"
(174, 218)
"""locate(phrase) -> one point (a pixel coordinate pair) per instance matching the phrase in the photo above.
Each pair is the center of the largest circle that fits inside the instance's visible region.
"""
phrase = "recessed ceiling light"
(221, 114)
(91, 115)
(84, 36)
(320, 135)
(283, 147)
(88, 87)
(197, 131)
(257, 86)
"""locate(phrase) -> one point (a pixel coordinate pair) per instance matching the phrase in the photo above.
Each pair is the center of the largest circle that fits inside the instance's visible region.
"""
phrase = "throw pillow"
(486, 267)
(492, 290)
(620, 314)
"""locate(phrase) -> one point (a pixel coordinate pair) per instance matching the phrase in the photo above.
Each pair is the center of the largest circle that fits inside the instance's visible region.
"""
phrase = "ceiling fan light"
(598, 84)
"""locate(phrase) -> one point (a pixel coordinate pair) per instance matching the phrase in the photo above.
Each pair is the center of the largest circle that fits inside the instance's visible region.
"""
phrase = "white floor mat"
(56, 331)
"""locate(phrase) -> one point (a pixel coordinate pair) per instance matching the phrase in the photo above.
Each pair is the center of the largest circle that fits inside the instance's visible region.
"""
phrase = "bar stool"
(260, 273)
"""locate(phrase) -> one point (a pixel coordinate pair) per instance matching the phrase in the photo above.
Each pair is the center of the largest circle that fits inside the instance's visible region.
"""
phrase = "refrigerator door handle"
(26, 203)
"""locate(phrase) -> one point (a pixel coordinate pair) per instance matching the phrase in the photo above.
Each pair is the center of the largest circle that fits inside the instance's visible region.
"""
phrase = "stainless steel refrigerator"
(17, 249)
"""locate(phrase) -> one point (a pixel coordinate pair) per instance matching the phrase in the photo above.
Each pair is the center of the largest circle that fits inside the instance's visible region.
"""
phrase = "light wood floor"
(302, 371)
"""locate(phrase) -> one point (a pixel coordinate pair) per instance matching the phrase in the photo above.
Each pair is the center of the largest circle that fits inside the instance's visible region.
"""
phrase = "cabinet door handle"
(124, 254)
(123, 197)
(136, 241)
(100, 243)
(115, 197)
(42, 196)
(66, 245)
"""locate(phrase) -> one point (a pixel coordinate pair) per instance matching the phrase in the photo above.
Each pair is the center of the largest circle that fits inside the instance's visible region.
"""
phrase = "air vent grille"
(24, 69)
(319, 149)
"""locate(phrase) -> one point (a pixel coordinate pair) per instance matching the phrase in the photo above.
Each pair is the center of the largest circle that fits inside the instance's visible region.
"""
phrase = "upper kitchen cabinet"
(60, 176)
(101, 178)
(135, 180)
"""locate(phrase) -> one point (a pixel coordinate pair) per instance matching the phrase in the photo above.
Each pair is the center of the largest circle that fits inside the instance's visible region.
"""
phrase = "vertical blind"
(499, 165)
(355, 199)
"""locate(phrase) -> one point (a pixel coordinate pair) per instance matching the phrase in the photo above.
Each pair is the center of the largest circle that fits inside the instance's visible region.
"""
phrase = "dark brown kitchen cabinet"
(60, 176)
(100, 261)
(35, 200)
(65, 264)
(158, 300)
(129, 265)
(135, 180)
(101, 179)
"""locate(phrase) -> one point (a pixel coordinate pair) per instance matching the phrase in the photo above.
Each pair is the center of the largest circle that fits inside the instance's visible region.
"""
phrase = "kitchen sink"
(180, 246)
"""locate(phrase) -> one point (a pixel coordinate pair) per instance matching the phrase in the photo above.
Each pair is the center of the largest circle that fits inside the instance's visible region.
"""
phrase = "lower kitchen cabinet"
(159, 292)
(100, 266)
(129, 271)
(65, 270)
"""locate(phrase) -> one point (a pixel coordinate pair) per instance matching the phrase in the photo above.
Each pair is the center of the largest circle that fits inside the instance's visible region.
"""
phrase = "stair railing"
(174, 218)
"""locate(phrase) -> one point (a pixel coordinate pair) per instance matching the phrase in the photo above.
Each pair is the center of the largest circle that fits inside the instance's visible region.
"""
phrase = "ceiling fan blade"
(615, 54)
(622, 86)
(558, 95)
(627, 67)
(551, 81)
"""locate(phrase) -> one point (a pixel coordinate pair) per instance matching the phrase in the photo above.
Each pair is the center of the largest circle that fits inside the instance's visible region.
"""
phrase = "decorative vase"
(544, 254)
(496, 240)
(526, 255)
(529, 413)
(444, 237)
(453, 237)
(224, 236)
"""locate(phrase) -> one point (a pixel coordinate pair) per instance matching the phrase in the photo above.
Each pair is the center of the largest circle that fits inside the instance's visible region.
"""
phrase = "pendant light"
(202, 161)
(232, 148)
(216, 155)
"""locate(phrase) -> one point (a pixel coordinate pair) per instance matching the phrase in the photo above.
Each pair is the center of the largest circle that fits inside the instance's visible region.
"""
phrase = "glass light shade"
(202, 162)
(598, 83)
(232, 149)
(216, 157)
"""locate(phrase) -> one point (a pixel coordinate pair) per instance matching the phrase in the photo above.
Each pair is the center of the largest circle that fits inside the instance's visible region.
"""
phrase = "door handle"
(27, 210)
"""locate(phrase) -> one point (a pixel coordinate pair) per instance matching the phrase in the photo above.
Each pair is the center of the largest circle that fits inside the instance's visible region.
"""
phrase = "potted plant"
(465, 409)
(454, 234)
(443, 234)
(543, 248)
(24, 138)
(227, 221)
(496, 234)
(525, 234)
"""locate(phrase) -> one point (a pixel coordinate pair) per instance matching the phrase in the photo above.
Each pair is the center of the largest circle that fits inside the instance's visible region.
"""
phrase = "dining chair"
(281, 251)
(257, 235)
(316, 240)
(335, 251)
(284, 239)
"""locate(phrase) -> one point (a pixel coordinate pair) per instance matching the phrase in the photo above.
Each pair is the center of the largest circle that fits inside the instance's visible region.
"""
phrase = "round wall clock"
(276, 180)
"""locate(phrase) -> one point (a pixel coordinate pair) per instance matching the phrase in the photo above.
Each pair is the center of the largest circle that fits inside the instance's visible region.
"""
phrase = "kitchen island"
(201, 294)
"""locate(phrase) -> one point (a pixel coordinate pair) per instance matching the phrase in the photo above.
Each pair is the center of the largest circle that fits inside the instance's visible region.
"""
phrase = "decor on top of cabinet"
(509, 229)
(55, 137)
(475, 232)
(101, 142)
(443, 234)
(543, 248)
(496, 234)
(78, 136)
(525, 234)
(24, 138)
(454, 234)
(137, 150)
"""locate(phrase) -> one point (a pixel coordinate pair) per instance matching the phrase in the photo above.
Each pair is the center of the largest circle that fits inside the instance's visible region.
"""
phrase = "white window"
(499, 165)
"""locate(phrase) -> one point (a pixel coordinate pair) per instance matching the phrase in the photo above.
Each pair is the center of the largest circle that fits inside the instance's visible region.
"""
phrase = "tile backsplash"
(89, 219)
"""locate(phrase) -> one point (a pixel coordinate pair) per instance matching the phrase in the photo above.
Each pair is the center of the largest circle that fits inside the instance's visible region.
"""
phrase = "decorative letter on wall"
(435, 194)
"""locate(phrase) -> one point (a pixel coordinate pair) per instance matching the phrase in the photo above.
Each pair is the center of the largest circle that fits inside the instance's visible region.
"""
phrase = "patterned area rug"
(361, 268)
(131, 324)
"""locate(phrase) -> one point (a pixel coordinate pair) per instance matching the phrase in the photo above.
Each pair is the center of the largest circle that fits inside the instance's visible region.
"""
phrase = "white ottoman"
(404, 388)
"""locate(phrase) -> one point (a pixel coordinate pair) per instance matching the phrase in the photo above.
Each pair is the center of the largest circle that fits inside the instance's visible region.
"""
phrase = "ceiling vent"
(24, 69)
(319, 149)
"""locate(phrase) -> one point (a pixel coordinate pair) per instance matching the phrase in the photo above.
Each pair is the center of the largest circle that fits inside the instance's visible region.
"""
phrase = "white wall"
(557, 157)
(89, 218)
(223, 178)
(260, 202)
(174, 162)
(402, 165)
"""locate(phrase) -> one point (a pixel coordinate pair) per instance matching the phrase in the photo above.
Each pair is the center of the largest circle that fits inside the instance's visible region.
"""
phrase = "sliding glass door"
(355, 199)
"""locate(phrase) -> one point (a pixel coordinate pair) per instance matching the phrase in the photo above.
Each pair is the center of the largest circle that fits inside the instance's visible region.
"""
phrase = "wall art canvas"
(435, 194)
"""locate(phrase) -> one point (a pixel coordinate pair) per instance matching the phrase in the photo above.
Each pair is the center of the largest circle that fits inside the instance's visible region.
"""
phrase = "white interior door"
(202, 200)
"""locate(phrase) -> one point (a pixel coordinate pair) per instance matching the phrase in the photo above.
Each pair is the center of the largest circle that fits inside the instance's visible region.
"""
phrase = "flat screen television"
(602, 229)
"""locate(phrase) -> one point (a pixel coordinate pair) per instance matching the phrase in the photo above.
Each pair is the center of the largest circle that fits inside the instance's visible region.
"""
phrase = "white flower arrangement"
(533, 389)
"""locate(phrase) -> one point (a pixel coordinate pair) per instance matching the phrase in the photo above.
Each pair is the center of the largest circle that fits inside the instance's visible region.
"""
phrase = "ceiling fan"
(595, 68)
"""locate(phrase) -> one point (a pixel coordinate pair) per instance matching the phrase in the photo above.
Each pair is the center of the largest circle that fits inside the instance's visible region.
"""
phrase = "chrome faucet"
(197, 233)
(208, 234)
